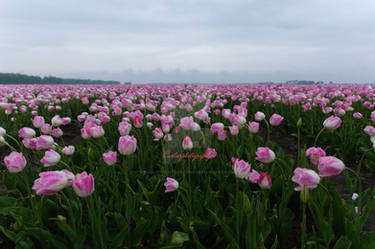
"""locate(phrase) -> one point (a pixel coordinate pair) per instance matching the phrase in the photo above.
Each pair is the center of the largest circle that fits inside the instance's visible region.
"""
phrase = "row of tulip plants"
(186, 166)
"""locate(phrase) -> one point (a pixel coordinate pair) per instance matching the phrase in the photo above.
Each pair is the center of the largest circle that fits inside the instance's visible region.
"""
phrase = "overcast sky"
(190, 40)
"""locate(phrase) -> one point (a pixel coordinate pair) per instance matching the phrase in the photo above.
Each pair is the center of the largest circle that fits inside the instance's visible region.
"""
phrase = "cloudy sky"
(190, 40)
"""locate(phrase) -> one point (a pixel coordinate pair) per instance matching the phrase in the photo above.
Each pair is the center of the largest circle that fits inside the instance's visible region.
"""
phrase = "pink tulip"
(254, 127)
(38, 121)
(330, 166)
(57, 132)
(221, 135)
(369, 130)
(306, 177)
(265, 155)
(83, 184)
(314, 153)
(26, 132)
(264, 181)
(2, 132)
(51, 182)
(68, 150)
(56, 121)
(124, 128)
(158, 134)
(127, 145)
(187, 143)
(50, 158)
(355, 196)
(210, 153)
(332, 123)
(170, 185)
(15, 162)
(216, 127)
(259, 116)
(44, 142)
(46, 129)
(187, 123)
(357, 115)
(276, 119)
(233, 130)
(30, 143)
(241, 168)
(97, 131)
(110, 157)
(253, 176)
(373, 116)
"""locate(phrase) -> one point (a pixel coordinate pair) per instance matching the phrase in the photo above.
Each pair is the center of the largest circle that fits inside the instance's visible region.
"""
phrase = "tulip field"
(187, 166)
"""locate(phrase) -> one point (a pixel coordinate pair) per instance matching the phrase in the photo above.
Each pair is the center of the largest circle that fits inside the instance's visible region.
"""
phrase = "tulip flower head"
(170, 185)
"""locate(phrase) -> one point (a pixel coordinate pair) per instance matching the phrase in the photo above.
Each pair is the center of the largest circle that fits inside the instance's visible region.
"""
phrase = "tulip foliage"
(186, 166)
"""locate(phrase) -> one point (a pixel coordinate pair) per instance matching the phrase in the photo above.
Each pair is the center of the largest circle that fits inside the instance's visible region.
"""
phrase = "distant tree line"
(15, 78)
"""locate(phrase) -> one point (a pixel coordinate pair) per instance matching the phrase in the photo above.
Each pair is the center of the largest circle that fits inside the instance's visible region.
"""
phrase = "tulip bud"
(299, 123)
(83, 184)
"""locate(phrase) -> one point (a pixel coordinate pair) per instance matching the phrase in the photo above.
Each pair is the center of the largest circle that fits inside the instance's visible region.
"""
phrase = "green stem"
(303, 226)
(10, 146)
(317, 136)
(15, 140)
(358, 179)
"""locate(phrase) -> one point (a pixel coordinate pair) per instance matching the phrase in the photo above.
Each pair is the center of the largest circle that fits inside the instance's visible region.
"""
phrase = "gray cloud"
(245, 40)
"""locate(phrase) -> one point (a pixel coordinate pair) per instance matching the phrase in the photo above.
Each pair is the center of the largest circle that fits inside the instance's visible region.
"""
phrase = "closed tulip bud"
(26, 132)
(233, 130)
(124, 128)
(15, 162)
(170, 185)
(110, 157)
(332, 123)
(265, 155)
(304, 195)
(44, 142)
(38, 121)
(299, 123)
(259, 116)
(187, 144)
(57, 132)
(254, 127)
(330, 166)
(50, 158)
(357, 115)
(97, 131)
(264, 181)
(83, 184)
(369, 130)
(355, 196)
(2, 132)
(127, 145)
(46, 129)
(56, 121)
(68, 150)
(276, 119)
(51, 182)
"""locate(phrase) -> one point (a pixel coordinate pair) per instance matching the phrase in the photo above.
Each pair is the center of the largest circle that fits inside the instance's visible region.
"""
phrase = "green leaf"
(178, 238)
(368, 241)
(343, 243)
